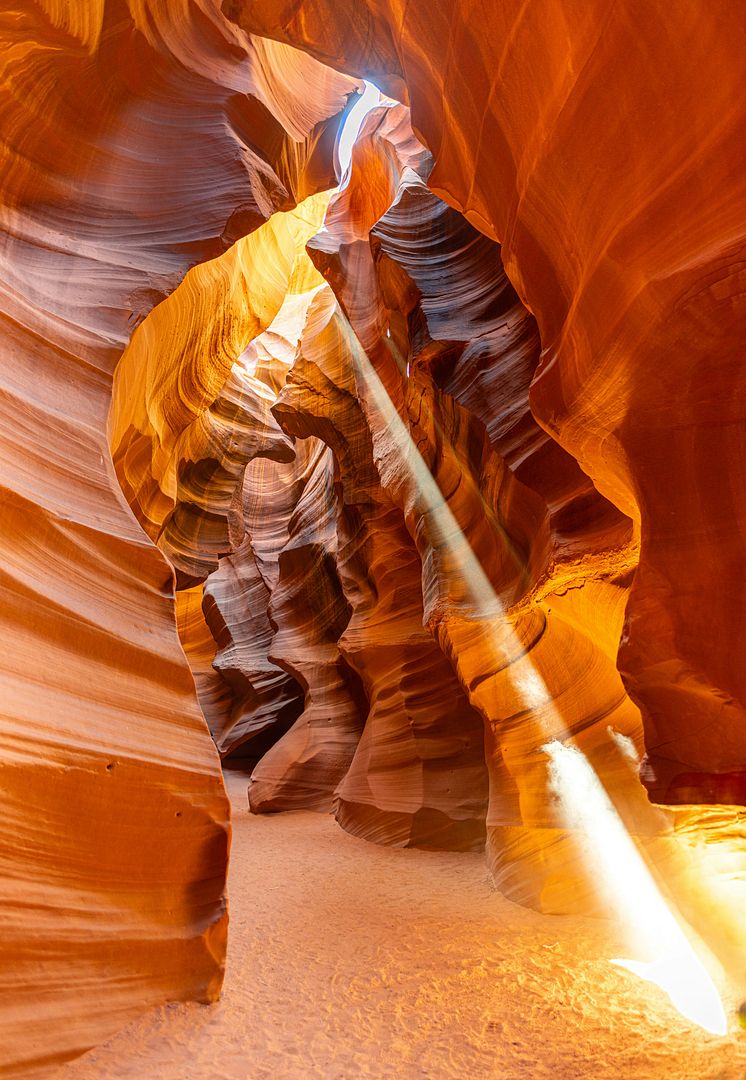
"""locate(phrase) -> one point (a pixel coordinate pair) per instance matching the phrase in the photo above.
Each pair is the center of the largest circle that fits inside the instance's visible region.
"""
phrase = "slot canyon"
(373, 678)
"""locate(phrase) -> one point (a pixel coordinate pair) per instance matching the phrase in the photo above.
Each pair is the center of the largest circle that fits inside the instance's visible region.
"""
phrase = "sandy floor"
(348, 960)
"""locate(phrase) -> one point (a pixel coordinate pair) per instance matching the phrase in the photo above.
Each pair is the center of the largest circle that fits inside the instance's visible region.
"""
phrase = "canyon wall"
(602, 148)
(446, 587)
(384, 488)
(137, 140)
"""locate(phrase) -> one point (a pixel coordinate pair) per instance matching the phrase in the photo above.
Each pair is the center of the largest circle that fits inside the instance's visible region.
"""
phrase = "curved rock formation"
(190, 410)
(310, 612)
(130, 151)
(585, 171)
(523, 583)
(417, 776)
(188, 413)
(429, 470)
(497, 559)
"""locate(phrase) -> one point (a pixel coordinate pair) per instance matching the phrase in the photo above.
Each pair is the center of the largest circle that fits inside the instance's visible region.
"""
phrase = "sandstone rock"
(417, 776)
(310, 613)
(459, 479)
(585, 170)
(126, 159)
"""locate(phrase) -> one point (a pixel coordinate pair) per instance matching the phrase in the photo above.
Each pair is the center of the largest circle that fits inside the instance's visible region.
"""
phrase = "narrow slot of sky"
(367, 100)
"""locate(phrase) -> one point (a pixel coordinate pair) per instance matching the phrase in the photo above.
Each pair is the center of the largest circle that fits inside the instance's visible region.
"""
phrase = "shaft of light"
(631, 888)
(585, 805)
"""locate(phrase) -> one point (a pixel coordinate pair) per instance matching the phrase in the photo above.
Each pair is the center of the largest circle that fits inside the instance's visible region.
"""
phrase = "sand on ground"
(348, 960)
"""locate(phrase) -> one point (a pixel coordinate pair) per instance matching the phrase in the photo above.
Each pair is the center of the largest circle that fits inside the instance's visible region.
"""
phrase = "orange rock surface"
(604, 151)
(381, 487)
(131, 150)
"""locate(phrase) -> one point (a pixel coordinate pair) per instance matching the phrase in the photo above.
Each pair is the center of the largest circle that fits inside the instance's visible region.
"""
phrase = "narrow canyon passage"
(348, 960)
(372, 436)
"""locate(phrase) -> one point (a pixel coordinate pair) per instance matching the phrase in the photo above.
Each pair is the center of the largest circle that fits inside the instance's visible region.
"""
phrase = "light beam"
(370, 97)
(584, 802)
(631, 889)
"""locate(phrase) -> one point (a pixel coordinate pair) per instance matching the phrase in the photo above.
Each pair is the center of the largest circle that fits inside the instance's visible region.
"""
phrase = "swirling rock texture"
(264, 699)
(417, 776)
(424, 468)
(310, 611)
(604, 152)
(190, 411)
(137, 140)
(498, 560)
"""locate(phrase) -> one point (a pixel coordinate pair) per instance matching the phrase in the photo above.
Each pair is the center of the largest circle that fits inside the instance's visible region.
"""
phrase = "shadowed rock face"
(417, 776)
(417, 501)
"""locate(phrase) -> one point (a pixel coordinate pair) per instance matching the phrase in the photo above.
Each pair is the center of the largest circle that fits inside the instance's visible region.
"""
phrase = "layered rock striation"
(603, 152)
(137, 140)
(376, 490)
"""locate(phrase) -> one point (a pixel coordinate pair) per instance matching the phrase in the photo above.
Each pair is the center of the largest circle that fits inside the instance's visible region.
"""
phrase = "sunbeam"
(367, 100)
(631, 890)
(584, 805)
